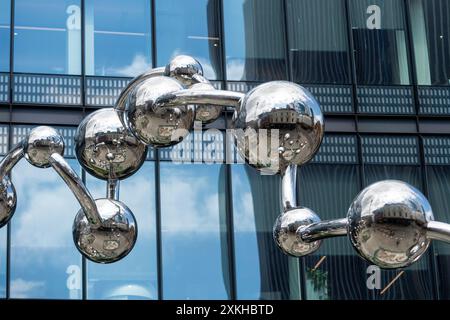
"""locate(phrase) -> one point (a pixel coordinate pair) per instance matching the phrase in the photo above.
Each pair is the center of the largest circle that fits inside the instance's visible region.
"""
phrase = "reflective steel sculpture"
(277, 126)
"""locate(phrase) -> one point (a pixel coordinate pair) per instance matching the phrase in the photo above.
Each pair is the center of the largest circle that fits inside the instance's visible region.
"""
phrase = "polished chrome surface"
(291, 117)
(205, 113)
(77, 187)
(289, 188)
(112, 189)
(8, 200)
(40, 144)
(120, 103)
(159, 127)
(106, 149)
(183, 68)
(438, 231)
(387, 224)
(11, 159)
(324, 229)
(285, 232)
(199, 97)
(113, 240)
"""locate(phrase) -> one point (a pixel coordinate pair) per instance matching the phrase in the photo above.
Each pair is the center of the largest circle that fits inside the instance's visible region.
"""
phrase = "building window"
(431, 38)
(255, 48)
(380, 42)
(192, 28)
(5, 19)
(47, 36)
(262, 270)
(44, 261)
(117, 37)
(194, 248)
(135, 276)
(318, 41)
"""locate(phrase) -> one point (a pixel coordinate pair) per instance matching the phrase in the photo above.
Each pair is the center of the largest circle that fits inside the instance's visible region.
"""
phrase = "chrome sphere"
(209, 113)
(157, 126)
(113, 240)
(40, 144)
(183, 68)
(8, 200)
(387, 224)
(293, 124)
(105, 148)
(285, 232)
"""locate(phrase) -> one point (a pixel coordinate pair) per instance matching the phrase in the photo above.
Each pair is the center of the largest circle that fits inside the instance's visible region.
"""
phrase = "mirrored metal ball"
(285, 232)
(113, 240)
(40, 144)
(157, 126)
(105, 148)
(283, 125)
(386, 224)
(209, 113)
(183, 68)
(8, 200)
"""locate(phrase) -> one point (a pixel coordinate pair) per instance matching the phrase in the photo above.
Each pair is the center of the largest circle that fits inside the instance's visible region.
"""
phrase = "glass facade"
(380, 70)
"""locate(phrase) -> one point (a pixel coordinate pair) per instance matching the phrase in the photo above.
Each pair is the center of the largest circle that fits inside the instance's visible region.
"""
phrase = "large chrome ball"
(8, 200)
(285, 232)
(157, 126)
(40, 144)
(206, 113)
(283, 125)
(105, 148)
(113, 240)
(387, 224)
(183, 68)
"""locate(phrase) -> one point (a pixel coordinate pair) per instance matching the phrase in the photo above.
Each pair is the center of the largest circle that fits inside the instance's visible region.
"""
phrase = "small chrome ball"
(105, 148)
(209, 113)
(8, 200)
(40, 144)
(283, 125)
(387, 224)
(157, 126)
(113, 240)
(285, 232)
(183, 68)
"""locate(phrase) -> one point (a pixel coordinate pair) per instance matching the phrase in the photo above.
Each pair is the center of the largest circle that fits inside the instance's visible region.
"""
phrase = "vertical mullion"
(10, 141)
(158, 220)
(84, 275)
(289, 72)
(228, 177)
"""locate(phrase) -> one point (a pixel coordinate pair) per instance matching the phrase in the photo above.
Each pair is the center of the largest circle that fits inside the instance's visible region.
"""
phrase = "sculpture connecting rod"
(78, 189)
(43, 148)
(222, 98)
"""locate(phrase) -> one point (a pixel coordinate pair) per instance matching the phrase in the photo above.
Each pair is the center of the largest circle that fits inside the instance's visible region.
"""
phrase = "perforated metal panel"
(4, 135)
(341, 149)
(47, 89)
(199, 146)
(20, 132)
(4, 87)
(434, 100)
(241, 86)
(390, 150)
(336, 99)
(103, 91)
(385, 100)
(437, 150)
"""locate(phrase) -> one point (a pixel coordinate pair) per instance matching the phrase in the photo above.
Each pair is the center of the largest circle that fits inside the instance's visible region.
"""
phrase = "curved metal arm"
(323, 230)
(200, 97)
(78, 188)
(289, 188)
(11, 159)
(156, 72)
(438, 231)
